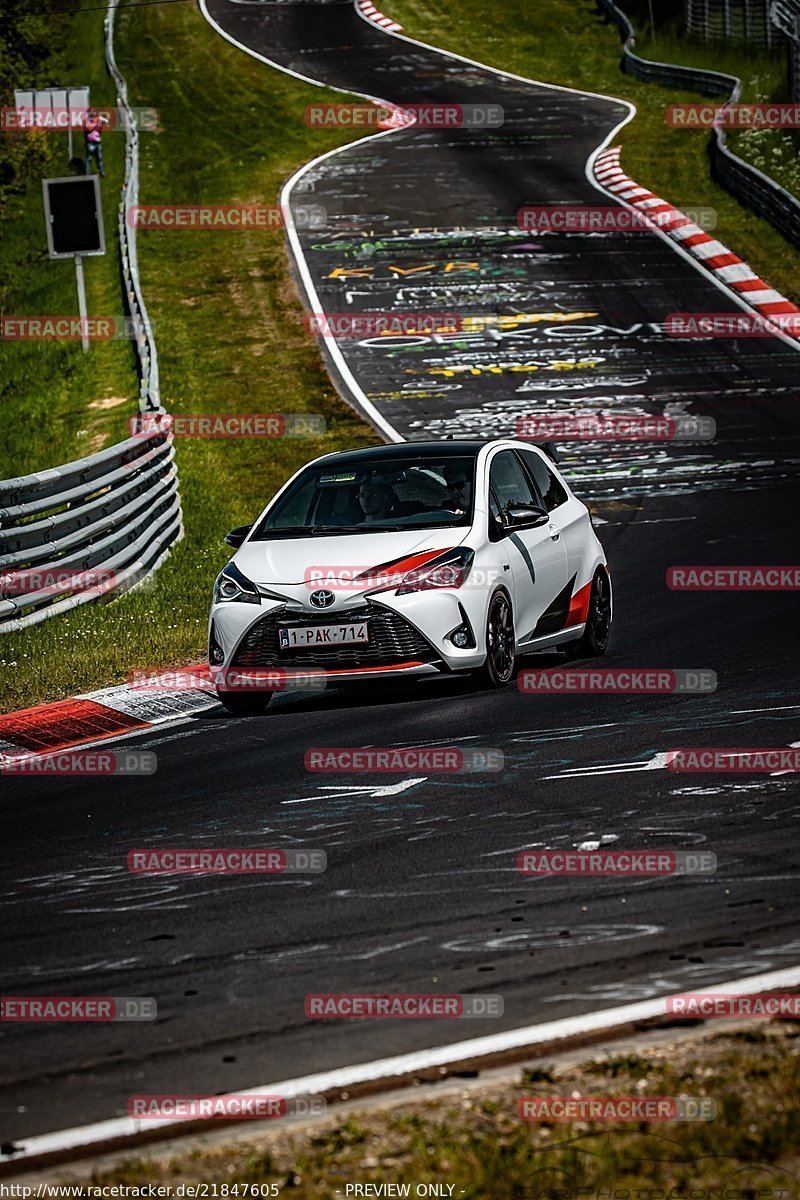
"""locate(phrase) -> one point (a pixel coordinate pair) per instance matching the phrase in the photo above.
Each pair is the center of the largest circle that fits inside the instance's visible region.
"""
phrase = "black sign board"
(74, 216)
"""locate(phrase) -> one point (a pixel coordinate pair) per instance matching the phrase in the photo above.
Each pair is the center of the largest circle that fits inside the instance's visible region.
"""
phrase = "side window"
(508, 483)
(551, 490)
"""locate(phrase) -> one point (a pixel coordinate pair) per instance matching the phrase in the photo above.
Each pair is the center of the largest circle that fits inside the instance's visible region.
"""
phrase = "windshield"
(412, 493)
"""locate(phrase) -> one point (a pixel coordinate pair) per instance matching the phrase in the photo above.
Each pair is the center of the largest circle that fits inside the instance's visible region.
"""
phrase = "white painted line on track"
(85, 1137)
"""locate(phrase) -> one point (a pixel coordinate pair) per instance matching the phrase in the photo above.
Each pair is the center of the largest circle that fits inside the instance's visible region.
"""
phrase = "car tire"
(498, 668)
(244, 704)
(595, 638)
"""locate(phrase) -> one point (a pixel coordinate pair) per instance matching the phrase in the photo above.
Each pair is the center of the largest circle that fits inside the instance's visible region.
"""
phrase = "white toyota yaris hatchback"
(408, 560)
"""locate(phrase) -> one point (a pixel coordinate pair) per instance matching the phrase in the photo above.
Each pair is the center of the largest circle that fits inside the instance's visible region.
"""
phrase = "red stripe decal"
(400, 566)
(579, 606)
(404, 666)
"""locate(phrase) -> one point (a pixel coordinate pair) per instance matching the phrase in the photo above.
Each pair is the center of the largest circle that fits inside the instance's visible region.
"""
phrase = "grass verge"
(49, 390)
(473, 1140)
(567, 42)
(228, 323)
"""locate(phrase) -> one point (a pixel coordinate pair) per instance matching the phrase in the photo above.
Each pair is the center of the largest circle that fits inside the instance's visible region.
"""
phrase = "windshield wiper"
(372, 527)
(304, 531)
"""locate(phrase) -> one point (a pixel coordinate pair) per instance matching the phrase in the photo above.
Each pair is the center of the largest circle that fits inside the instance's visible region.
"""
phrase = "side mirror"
(525, 516)
(236, 536)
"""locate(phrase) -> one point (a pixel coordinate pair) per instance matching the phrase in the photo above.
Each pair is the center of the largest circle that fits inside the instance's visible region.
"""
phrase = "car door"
(535, 558)
(567, 513)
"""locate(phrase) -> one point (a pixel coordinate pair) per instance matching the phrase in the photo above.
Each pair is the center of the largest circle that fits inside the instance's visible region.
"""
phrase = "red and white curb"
(386, 1073)
(726, 267)
(126, 709)
(368, 10)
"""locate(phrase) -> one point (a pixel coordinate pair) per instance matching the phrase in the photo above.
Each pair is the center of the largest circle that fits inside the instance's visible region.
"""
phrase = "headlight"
(231, 585)
(448, 570)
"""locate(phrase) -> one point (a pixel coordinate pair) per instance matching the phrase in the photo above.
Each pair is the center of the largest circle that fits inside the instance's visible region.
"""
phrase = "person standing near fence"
(92, 138)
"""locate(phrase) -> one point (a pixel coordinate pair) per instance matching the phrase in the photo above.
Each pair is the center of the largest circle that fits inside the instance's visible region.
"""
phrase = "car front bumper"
(409, 635)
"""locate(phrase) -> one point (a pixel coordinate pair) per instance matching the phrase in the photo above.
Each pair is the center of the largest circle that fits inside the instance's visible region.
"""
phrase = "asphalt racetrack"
(421, 893)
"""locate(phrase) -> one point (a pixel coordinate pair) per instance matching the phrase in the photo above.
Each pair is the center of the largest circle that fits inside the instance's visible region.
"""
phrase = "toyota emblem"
(322, 599)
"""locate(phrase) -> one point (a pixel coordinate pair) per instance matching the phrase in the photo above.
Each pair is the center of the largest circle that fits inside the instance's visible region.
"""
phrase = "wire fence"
(785, 16)
(731, 21)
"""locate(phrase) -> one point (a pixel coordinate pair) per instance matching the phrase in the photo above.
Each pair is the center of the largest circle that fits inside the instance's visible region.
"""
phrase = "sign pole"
(82, 302)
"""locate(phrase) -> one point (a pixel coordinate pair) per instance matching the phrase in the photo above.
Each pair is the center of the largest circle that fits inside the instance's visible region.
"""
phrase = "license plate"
(299, 636)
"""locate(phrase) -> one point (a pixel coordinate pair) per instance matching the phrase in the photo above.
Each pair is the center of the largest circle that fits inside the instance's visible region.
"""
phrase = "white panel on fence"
(43, 101)
(23, 100)
(78, 97)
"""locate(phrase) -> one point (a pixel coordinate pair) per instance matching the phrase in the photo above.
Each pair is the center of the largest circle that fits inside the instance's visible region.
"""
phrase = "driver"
(375, 498)
(459, 488)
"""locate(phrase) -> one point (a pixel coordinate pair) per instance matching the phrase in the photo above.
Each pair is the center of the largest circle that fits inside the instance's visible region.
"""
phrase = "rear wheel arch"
(599, 618)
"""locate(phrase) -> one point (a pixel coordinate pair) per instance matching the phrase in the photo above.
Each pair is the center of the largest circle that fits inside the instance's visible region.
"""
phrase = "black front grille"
(391, 640)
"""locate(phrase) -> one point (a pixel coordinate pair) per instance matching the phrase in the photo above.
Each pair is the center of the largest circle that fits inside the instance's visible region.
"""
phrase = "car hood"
(324, 558)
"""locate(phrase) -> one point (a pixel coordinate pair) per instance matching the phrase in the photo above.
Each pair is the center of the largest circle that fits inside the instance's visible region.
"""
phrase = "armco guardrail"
(749, 185)
(87, 530)
(91, 529)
